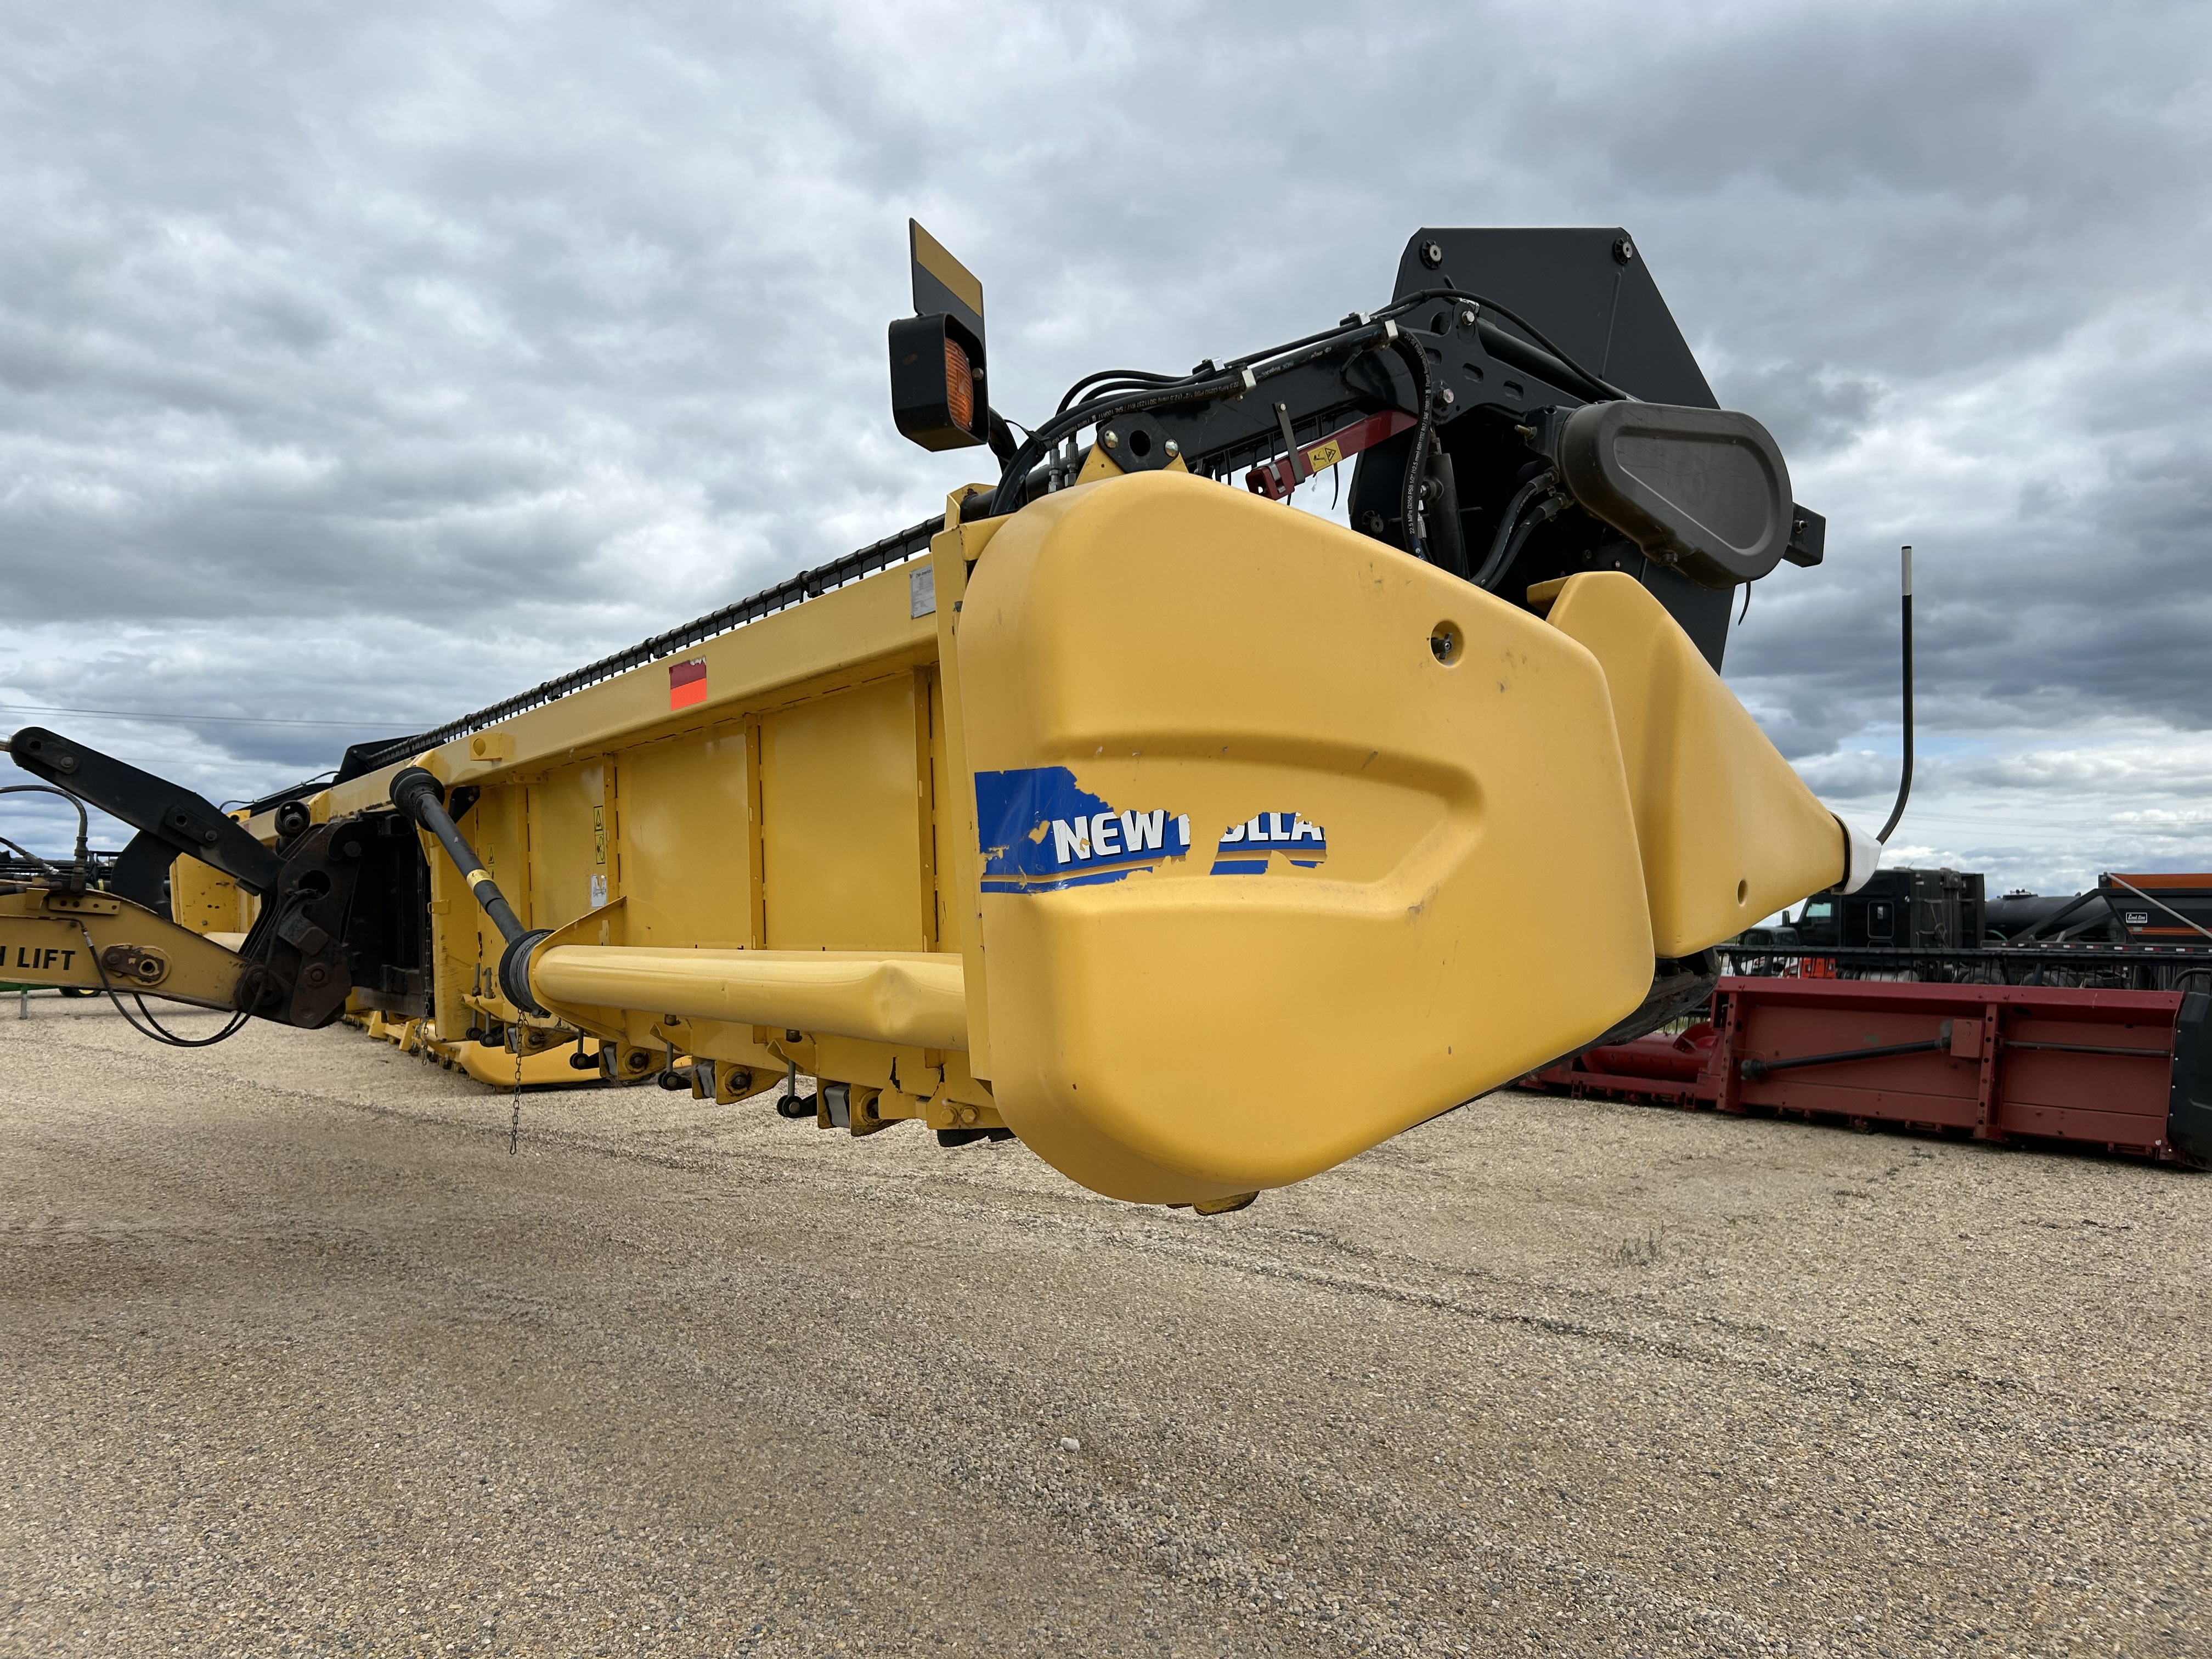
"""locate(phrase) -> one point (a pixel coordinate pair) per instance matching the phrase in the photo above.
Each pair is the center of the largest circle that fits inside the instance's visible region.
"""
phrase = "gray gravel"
(296, 1359)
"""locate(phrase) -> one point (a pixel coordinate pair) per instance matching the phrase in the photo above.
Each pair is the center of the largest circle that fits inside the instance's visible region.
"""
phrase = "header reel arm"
(1472, 426)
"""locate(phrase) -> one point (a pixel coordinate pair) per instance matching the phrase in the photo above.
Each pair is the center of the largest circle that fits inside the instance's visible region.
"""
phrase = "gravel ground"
(296, 1359)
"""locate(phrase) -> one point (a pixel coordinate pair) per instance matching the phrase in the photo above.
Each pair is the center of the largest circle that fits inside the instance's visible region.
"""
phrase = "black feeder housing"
(940, 395)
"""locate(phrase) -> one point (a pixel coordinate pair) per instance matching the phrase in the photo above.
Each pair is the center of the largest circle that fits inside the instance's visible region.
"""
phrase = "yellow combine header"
(1200, 842)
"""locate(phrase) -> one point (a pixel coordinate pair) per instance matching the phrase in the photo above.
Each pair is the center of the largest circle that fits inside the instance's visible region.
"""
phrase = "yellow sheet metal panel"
(1728, 833)
(1403, 879)
(568, 837)
(915, 998)
(951, 555)
(861, 630)
(945, 825)
(204, 900)
(465, 945)
(454, 918)
(841, 819)
(686, 840)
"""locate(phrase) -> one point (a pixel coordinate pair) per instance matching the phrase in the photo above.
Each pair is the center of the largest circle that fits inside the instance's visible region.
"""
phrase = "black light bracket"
(940, 383)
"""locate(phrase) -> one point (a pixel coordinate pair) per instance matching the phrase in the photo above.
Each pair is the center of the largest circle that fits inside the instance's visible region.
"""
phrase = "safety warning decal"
(1243, 848)
(1039, 831)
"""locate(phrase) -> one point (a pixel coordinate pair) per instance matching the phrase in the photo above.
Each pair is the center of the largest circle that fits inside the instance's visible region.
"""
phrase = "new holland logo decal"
(1039, 830)
(1243, 848)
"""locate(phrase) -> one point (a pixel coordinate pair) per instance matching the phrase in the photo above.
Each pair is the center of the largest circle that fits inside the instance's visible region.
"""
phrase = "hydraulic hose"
(1905, 783)
(1417, 459)
(422, 797)
(1505, 544)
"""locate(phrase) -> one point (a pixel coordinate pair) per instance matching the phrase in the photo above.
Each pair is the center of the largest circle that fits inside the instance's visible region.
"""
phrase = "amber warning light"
(959, 387)
(940, 397)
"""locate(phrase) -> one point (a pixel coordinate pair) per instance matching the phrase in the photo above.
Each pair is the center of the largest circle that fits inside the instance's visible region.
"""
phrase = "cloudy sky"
(359, 366)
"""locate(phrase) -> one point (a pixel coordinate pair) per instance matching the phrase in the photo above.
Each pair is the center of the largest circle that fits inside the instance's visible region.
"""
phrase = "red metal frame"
(2090, 1068)
(1277, 478)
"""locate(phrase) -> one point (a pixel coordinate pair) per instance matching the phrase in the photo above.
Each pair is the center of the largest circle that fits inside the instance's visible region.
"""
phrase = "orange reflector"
(959, 387)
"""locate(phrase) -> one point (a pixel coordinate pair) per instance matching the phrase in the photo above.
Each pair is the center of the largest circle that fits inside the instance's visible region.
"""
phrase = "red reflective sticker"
(687, 683)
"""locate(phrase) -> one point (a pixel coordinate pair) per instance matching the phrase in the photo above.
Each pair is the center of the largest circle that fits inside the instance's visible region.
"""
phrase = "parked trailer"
(2121, 1071)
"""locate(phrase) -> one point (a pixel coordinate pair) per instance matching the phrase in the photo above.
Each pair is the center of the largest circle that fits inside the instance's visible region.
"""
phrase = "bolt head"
(1446, 398)
(1112, 440)
(1431, 255)
(1467, 318)
(1624, 251)
(1174, 448)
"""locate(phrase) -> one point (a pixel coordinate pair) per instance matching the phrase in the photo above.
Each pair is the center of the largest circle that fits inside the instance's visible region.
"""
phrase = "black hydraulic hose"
(1903, 783)
(422, 797)
(27, 855)
(1506, 543)
(153, 1027)
(1417, 459)
(1117, 376)
(1237, 379)
(83, 823)
(1243, 373)
(1608, 393)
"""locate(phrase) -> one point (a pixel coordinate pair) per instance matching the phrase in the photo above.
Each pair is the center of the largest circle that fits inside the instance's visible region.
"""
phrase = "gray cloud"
(373, 365)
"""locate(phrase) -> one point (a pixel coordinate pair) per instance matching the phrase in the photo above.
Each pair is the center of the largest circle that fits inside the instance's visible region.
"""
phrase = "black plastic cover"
(922, 403)
(1703, 490)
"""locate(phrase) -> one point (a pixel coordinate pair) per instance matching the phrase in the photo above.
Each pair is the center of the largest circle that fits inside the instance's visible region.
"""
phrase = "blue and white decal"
(1039, 832)
(1243, 848)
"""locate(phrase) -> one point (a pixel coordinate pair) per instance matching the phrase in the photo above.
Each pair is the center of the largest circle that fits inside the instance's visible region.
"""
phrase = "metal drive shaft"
(422, 797)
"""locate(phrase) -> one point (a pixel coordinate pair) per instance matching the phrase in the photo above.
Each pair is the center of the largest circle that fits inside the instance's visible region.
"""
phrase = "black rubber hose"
(1013, 478)
(1012, 492)
(1118, 376)
(1609, 392)
(1905, 783)
(1448, 534)
(1545, 511)
(83, 823)
(1494, 562)
(1417, 459)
